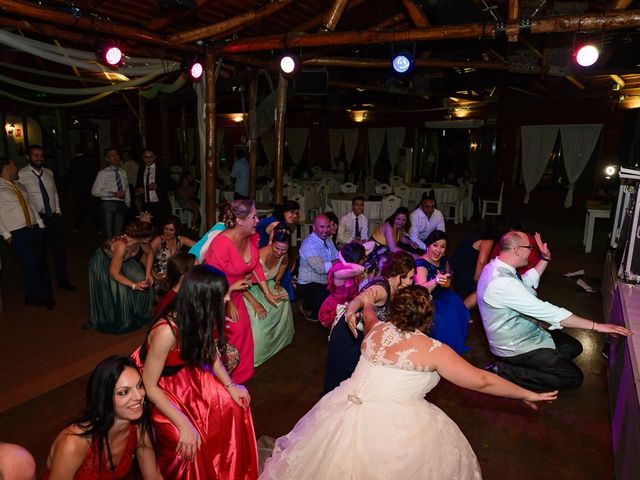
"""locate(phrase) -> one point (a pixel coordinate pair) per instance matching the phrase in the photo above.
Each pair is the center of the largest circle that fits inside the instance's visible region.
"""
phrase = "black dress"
(344, 348)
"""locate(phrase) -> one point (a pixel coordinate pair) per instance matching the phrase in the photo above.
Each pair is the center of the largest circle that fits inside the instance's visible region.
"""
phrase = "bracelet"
(593, 327)
(546, 259)
(133, 286)
(231, 384)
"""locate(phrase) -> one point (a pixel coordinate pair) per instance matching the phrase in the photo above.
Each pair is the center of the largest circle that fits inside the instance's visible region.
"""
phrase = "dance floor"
(46, 356)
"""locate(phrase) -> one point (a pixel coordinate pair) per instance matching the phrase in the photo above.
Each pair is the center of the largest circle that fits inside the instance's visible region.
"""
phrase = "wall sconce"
(237, 117)
(358, 115)
(10, 128)
(473, 146)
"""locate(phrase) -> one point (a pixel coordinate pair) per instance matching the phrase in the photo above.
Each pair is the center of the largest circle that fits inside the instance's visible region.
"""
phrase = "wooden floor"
(45, 358)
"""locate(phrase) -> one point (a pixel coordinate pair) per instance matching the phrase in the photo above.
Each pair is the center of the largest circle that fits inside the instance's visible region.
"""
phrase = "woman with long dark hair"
(114, 428)
(201, 418)
(170, 285)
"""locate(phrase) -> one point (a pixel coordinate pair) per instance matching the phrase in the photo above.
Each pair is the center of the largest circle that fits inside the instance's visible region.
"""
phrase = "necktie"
(146, 186)
(118, 180)
(519, 276)
(45, 196)
(23, 204)
(357, 228)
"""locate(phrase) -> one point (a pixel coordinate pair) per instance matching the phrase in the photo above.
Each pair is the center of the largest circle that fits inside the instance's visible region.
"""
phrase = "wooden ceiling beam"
(562, 23)
(389, 22)
(92, 24)
(513, 11)
(332, 17)
(316, 21)
(416, 14)
(163, 22)
(386, 63)
(231, 24)
(620, 4)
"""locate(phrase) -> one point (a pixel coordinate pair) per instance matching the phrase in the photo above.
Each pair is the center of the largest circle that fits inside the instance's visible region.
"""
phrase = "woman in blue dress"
(451, 320)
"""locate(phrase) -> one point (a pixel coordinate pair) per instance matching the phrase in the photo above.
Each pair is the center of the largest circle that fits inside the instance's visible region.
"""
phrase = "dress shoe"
(308, 315)
(67, 286)
(48, 303)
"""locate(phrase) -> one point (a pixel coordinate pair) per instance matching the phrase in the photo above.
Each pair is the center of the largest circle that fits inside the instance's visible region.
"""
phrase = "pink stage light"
(112, 55)
(195, 71)
(587, 55)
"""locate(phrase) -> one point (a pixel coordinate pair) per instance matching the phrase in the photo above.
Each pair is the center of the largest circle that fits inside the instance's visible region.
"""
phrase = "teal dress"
(114, 307)
(274, 331)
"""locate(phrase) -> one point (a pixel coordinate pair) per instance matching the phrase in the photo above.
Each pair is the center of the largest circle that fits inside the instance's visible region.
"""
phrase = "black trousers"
(28, 245)
(114, 213)
(312, 295)
(55, 242)
(545, 369)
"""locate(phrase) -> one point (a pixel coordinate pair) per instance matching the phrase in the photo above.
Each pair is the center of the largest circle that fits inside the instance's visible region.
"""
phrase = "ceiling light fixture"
(587, 55)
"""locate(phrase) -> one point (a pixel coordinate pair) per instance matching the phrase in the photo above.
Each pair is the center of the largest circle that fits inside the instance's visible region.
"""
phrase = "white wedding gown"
(377, 424)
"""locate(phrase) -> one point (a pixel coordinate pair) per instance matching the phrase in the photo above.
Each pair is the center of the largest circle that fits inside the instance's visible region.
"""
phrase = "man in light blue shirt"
(511, 312)
(240, 172)
(317, 254)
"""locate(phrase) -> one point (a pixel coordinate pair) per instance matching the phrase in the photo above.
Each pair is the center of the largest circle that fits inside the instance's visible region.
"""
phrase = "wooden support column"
(184, 138)
(253, 141)
(333, 16)
(278, 168)
(512, 16)
(210, 138)
(142, 121)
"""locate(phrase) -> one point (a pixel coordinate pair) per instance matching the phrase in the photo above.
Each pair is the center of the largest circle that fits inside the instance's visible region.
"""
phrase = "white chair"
(396, 181)
(493, 203)
(454, 210)
(316, 172)
(390, 204)
(349, 187)
(403, 192)
(304, 223)
(183, 214)
(384, 189)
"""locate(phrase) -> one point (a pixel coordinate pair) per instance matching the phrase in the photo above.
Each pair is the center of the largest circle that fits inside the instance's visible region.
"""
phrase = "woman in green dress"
(120, 299)
(272, 327)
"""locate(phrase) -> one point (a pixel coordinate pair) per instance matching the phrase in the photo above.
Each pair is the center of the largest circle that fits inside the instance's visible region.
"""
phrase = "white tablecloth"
(341, 205)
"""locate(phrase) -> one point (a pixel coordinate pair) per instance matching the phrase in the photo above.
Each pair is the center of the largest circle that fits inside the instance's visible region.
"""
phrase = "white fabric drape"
(269, 145)
(578, 142)
(376, 140)
(297, 142)
(537, 144)
(350, 144)
(395, 140)
(335, 142)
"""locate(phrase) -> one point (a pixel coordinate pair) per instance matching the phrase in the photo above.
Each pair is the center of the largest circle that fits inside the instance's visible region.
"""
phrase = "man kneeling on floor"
(527, 354)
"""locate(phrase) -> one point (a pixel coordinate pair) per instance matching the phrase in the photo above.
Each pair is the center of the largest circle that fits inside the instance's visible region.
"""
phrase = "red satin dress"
(94, 468)
(228, 450)
(224, 255)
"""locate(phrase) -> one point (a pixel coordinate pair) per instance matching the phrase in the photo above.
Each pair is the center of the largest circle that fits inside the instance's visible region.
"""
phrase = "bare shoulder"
(71, 442)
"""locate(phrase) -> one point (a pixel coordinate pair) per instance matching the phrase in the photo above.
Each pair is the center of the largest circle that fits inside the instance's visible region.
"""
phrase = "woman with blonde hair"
(235, 252)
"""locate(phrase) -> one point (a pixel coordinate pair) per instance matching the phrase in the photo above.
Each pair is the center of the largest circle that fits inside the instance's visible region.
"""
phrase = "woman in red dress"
(114, 428)
(201, 418)
(235, 251)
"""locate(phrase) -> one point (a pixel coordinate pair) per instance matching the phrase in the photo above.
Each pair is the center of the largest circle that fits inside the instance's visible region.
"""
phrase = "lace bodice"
(388, 346)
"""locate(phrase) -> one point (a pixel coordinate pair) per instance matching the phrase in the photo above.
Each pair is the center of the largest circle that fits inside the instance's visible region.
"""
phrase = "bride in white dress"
(377, 424)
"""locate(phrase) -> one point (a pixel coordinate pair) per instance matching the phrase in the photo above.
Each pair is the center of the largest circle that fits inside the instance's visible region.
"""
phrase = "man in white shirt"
(154, 184)
(22, 228)
(112, 187)
(317, 254)
(40, 185)
(240, 172)
(131, 168)
(511, 312)
(353, 226)
(424, 220)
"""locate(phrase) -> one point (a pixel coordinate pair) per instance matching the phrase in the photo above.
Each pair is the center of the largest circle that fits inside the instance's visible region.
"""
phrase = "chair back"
(349, 187)
(390, 204)
(383, 189)
(403, 192)
(396, 181)
(303, 206)
(316, 172)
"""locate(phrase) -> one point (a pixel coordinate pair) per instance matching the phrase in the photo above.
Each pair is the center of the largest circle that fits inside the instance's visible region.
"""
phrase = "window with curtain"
(554, 178)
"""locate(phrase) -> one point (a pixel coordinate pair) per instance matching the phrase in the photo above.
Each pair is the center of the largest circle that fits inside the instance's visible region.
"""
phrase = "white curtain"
(335, 142)
(376, 140)
(350, 144)
(395, 140)
(269, 145)
(297, 142)
(537, 144)
(578, 142)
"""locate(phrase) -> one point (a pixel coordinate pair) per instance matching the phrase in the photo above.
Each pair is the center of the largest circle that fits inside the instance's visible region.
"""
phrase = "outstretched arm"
(574, 321)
